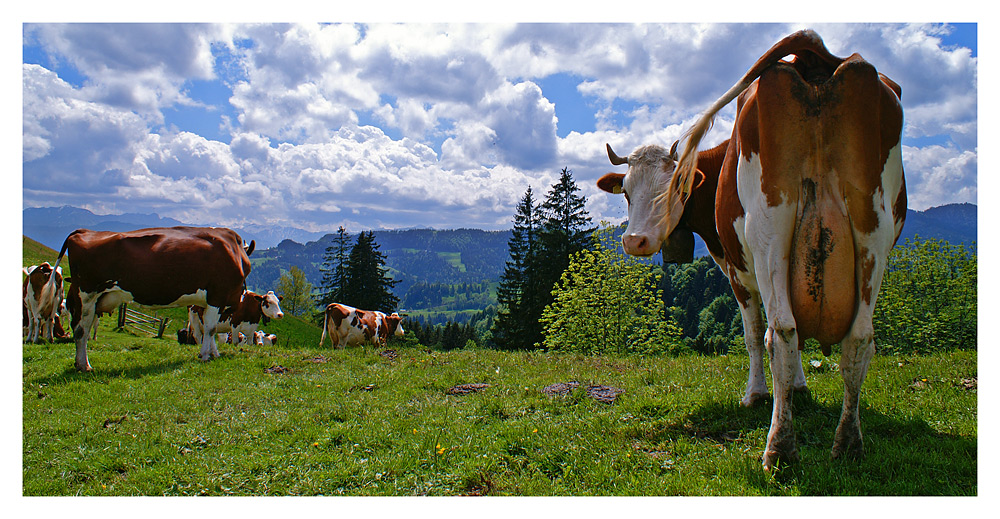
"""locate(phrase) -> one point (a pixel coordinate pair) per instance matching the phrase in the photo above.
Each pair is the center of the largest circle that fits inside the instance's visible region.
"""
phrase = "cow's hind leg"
(209, 320)
(82, 329)
(857, 350)
(753, 336)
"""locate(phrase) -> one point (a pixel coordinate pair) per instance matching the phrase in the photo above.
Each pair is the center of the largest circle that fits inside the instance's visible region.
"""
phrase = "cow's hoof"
(851, 448)
(84, 369)
(752, 399)
(775, 458)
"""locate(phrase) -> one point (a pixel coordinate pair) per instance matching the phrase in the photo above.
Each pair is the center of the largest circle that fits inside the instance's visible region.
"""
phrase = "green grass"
(153, 420)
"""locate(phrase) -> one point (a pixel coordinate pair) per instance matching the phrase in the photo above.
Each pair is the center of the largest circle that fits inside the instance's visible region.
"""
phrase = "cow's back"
(158, 266)
(824, 147)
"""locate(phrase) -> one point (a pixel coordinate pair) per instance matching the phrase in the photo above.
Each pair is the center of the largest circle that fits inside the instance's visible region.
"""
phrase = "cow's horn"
(615, 159)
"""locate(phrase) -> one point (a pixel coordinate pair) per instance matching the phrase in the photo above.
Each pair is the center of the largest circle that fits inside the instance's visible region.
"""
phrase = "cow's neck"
(699, 211)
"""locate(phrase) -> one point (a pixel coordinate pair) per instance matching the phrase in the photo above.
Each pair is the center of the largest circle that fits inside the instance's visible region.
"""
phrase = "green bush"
(927, 301)
(607, 303)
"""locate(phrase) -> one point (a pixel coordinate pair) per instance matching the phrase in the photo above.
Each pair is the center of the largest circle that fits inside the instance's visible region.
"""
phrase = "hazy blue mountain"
(425, 258)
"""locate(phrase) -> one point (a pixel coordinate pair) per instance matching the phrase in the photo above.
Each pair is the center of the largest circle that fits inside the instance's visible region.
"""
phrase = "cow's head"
(651, 226)
(269, 305)
(394, 324)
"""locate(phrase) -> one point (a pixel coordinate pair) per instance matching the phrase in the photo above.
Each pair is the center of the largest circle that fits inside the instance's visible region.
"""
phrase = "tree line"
(568, 286)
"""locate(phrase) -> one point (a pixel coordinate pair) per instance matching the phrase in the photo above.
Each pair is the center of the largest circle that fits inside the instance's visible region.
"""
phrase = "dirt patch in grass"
(389, 354)
(601, 393)
(277, 370)
(464, 389)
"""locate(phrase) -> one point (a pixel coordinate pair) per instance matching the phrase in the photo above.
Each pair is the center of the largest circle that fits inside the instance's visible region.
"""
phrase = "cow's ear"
(281, 298)
(611, 183)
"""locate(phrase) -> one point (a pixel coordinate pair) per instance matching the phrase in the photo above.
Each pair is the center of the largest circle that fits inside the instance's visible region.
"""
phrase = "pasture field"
(296, 419)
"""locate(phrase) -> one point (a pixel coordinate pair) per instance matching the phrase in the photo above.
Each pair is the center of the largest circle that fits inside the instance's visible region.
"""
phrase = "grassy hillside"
(298, 419)
(34, 253)
(301, 420)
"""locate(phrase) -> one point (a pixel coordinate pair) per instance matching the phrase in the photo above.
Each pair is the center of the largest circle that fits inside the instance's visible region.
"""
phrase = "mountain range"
(413, 256)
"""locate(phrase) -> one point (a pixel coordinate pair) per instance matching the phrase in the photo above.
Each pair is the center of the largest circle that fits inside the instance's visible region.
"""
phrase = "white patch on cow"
(198, 298)
(765, 236)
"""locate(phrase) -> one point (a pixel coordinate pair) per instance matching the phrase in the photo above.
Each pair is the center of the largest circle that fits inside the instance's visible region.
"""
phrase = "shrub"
(607, 303)
(928, 298)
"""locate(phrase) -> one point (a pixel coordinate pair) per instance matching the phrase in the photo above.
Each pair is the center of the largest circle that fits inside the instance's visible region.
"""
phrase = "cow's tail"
(47, 297)
(682, 182)
(62, 251)
(322, 337)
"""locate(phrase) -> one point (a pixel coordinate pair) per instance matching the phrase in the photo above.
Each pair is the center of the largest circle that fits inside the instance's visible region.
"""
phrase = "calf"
(42, 293)
(242, 319)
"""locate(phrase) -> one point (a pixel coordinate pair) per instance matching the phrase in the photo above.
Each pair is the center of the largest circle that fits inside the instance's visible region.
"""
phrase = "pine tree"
(334, 268)
(565, 230)
(515, 327)
(366, 285)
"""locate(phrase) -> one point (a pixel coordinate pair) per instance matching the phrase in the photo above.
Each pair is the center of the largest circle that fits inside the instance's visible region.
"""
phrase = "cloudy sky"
(422, 125)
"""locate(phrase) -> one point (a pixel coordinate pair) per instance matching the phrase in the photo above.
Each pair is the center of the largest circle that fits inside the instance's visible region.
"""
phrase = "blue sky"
(401, 125)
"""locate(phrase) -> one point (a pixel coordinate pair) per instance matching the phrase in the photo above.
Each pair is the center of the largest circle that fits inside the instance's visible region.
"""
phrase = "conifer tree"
(366, 285)
(565, 230)
(515, 327)
(334, 268)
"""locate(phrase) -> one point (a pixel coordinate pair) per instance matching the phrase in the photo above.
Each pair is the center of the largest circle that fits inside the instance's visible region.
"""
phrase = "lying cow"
(159, 267)
(349, 326)
(42, 292)
(264, 339)
(242, 320)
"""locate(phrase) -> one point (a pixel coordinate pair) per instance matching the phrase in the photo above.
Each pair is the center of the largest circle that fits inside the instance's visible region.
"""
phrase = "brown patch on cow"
(464, 389)
(728, 209)
(867, 267)
(740, 291)
(611, 183)
(899, 210)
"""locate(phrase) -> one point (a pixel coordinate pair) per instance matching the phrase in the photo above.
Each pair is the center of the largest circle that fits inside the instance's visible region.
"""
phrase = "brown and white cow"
(349, 326)
(809, 199)
(160, 267)
(264, 339)
(240, 321)
(42, 294)
(387, 325)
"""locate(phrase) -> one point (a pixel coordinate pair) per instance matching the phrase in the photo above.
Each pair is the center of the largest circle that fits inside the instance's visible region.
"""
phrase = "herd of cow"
(799, 208)
(204, 269)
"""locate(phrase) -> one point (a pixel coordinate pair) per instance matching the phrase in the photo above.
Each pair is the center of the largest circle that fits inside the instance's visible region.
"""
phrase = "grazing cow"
(809, 198)
(243, 319)
(160, 267)
(387, 325)
(42, 294)
(349, 326)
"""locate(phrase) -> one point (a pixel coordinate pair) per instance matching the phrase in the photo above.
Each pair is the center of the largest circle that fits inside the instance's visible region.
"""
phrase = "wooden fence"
(145, 323)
